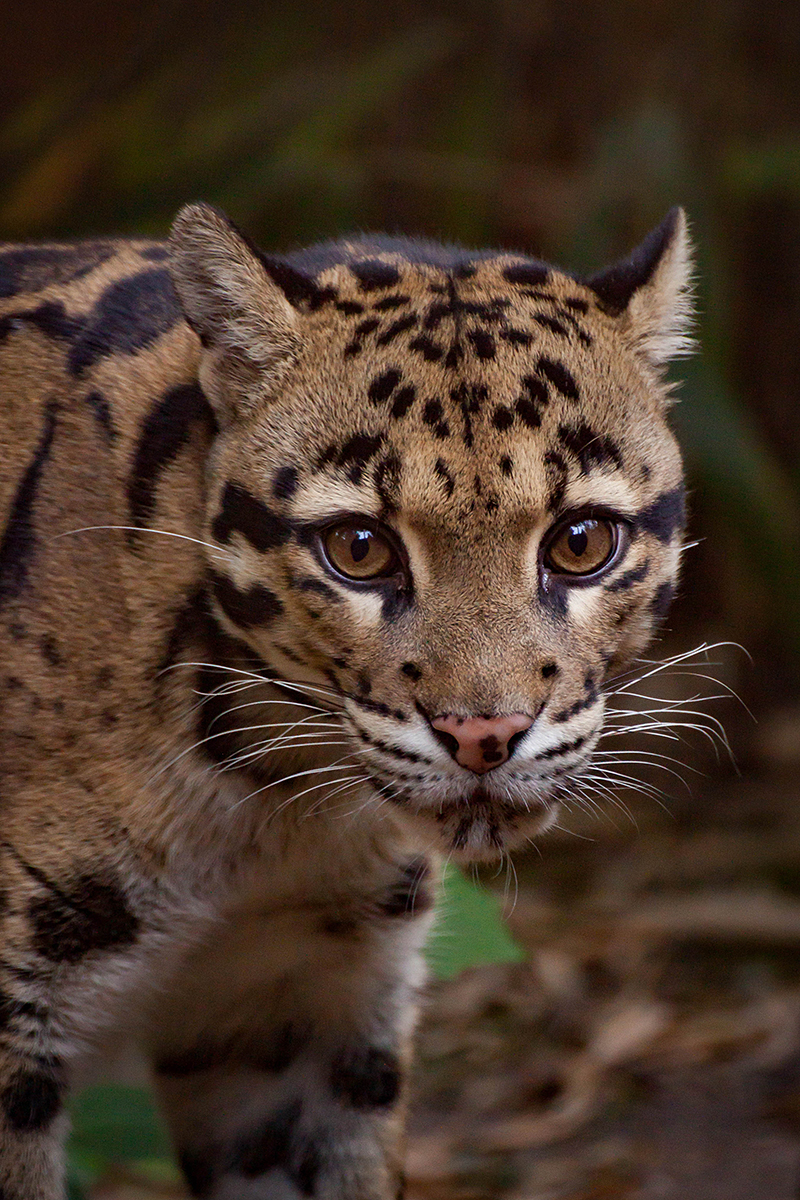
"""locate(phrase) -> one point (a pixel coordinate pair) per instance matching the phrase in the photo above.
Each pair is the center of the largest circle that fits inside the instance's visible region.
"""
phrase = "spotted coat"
(227, 761)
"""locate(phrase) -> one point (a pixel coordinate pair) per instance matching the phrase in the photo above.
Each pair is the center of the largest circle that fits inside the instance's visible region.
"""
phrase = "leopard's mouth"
(479, 824)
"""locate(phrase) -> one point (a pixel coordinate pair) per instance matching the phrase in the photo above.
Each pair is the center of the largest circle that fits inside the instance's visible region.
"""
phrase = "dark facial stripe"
(666, 516)
(626, 581)
(248, 609)
(242, 513)
(166, 430)
(130, 314)
(392, 751)
(19, 540)
(560, 750)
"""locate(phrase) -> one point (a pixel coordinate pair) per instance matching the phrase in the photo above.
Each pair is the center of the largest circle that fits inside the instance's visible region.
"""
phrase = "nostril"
(515, 740)
(450, 743)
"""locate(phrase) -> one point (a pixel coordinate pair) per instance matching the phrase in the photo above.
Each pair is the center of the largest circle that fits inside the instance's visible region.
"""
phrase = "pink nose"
(481, 742)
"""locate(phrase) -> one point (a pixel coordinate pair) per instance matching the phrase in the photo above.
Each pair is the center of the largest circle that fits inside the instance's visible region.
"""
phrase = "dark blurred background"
(565, 128)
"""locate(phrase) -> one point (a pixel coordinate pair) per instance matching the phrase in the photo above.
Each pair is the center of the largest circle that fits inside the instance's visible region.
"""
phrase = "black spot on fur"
(531, 273)
(577, 305)
(427, 347)
(102, 413)
(483, 343)
(549, 669)
(298, 288)
(387, 481)
(285, 483)
(350, 308)
(383, 385)
(31, 1101)
(517, 337)
(29, 268)
(130, 314)
(256, 606)
(373, 274)
(433, 415)
(155, 253)
(506, 465)
(167, 429)
(592, 449)
(551, 323)
(357, 452)
(411, 670)
(82, 915)
(402, 401)
(447, 479)
(534, 399)
(626, 581)
(366, 1078)
(50, 651)
(666, 516)
(390, 302)
(49, 318)
(243, 513)
(502, 418)
(19, 541)
(659, 605)
(556, 473)
(454, 356)
(397, 327)
(408, 896)
(559, 376)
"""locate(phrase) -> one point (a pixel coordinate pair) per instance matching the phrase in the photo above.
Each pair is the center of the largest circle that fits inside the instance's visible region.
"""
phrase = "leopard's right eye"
(359, 552)
(581, 547)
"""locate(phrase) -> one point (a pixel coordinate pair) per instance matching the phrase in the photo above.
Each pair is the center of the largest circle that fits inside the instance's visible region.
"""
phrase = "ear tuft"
(234, 304)
(651, 289)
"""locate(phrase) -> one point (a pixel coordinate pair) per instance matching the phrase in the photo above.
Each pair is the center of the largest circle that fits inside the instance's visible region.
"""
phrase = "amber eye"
(358, 552)
(581, 547)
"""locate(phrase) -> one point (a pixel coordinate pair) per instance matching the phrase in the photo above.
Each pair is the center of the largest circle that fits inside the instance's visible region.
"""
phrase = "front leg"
(281, 1066)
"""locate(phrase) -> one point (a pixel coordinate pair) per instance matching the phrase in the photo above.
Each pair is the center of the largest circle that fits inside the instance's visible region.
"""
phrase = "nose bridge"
(481, 743)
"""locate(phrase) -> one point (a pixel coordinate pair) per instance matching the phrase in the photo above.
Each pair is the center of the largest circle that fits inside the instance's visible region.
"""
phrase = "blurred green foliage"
(567, 129)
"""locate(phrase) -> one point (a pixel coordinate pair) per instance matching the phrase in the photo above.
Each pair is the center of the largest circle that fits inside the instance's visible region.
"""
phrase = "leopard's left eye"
(582, 547)
(359, 552)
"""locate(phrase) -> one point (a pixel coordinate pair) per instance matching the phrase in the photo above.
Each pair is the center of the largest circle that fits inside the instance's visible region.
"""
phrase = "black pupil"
(578, 540)
(359, 547)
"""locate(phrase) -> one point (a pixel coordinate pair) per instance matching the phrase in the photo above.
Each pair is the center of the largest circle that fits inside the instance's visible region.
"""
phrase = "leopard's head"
(444, 494)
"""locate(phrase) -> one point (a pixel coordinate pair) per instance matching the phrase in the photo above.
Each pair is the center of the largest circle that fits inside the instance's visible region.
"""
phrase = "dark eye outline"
(397, 571)
(620, 528)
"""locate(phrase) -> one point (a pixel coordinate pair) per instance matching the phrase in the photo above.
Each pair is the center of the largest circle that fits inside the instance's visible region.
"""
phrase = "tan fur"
(235, 904)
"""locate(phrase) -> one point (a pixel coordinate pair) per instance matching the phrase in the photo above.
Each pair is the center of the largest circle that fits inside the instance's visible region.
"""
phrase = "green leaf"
(470, 930)
(115, 1123)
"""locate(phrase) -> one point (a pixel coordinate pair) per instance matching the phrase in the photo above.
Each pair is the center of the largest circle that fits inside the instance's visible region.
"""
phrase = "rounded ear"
(651, 290)
(242, 316)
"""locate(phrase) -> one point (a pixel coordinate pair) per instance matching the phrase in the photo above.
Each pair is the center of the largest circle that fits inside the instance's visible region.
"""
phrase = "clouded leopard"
(312, 568)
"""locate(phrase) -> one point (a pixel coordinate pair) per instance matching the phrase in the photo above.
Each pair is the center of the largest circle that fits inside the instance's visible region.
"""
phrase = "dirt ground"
(649, 1049)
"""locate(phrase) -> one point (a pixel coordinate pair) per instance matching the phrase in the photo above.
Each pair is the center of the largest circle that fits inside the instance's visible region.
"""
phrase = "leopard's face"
(456, 514)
